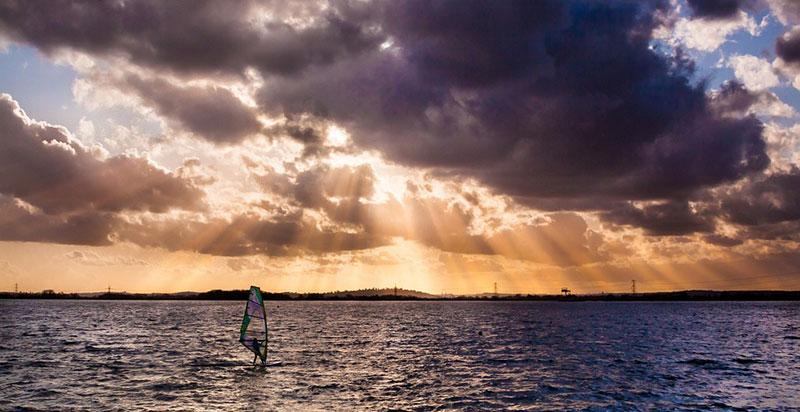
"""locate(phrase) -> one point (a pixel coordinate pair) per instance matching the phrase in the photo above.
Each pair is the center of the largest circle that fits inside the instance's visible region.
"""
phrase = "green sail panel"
(254, 324)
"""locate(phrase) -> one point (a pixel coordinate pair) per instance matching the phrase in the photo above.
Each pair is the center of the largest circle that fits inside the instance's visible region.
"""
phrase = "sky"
(442, 146)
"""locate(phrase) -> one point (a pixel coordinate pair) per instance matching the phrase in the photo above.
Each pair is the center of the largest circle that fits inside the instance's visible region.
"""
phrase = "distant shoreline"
(409, 295)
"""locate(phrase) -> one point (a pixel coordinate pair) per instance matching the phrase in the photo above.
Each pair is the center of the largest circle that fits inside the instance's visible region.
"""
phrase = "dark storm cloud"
(213, 113)
(733, 99)
(537, 99)
(770, 199)
(19, 223)
(666, 219)
(43, 166)
(787, 47)
(195, 36)
(714, 9)
(781, 231)
(721, 240)
(553, 102)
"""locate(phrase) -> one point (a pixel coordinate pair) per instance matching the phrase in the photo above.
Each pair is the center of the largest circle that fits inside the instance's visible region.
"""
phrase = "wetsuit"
(257, 349)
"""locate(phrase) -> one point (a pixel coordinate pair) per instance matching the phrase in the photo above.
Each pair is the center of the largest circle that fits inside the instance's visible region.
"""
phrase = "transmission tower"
(16, 287)
(633, 286)
(495, 288)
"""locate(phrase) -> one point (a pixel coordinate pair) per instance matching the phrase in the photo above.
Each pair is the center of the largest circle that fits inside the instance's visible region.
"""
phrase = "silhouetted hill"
(376, 293)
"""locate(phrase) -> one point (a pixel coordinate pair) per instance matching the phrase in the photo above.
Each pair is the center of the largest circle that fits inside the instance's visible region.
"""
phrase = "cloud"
(787, 11)
(784, 146)
(244, 235)
(734, 100)
(93, 259)
(564, 241)
(564, 105)
(456, 223)
(769, 199)
(575, 104)
(20, 222)
(433, 90)
(213, 113)
(717, 9)
(787, 47)
(662, 219)
(197, 36)
(247, 263)
(708, 34)
(721, 240)
(315, 187)
(44, 166)
(754, 72)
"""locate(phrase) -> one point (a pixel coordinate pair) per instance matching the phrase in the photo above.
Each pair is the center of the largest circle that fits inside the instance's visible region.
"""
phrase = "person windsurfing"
(253, 333)
(257, 348)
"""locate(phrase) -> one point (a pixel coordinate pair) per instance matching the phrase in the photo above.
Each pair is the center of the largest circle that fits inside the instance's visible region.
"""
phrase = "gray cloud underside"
(715, 9)
(573, 104)
(788, 47)
(195, 36)
(546, 98)
(42, 165)
(665, 219)
(767, 200)
(213, 113)
(19, 223)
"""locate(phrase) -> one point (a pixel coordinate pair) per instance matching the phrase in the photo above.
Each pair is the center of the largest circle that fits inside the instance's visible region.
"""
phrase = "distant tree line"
(359, 295)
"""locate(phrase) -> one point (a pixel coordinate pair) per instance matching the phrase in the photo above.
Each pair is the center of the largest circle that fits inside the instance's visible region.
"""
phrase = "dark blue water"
(414, 356)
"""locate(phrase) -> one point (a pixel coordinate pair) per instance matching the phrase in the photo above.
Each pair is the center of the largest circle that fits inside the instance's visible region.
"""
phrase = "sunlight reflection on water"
(422, 356)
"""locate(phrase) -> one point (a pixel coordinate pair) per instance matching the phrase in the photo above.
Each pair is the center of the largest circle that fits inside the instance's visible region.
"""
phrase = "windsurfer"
(257, 350)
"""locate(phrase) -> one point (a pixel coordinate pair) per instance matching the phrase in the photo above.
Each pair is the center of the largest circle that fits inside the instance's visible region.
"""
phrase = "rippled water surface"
(416, 356)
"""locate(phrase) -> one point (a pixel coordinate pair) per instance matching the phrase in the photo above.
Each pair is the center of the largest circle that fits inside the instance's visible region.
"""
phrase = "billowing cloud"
(787, 47)
(708, 34)
(717, 8)
(247, 235)
(787, 11)
(590, 110)
(722, 240)
(770, 199)
(756, 73)
(20, 222)
(196, 36)
(44, 166)
(575, 102)
(344, 195)
(662, 219)
(734, 100)
(213, 113)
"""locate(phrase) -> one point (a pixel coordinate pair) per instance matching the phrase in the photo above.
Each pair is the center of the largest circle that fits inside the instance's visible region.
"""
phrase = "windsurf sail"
(254, 324)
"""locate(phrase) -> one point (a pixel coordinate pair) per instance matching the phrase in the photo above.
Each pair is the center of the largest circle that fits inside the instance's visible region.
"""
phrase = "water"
(415, 356)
